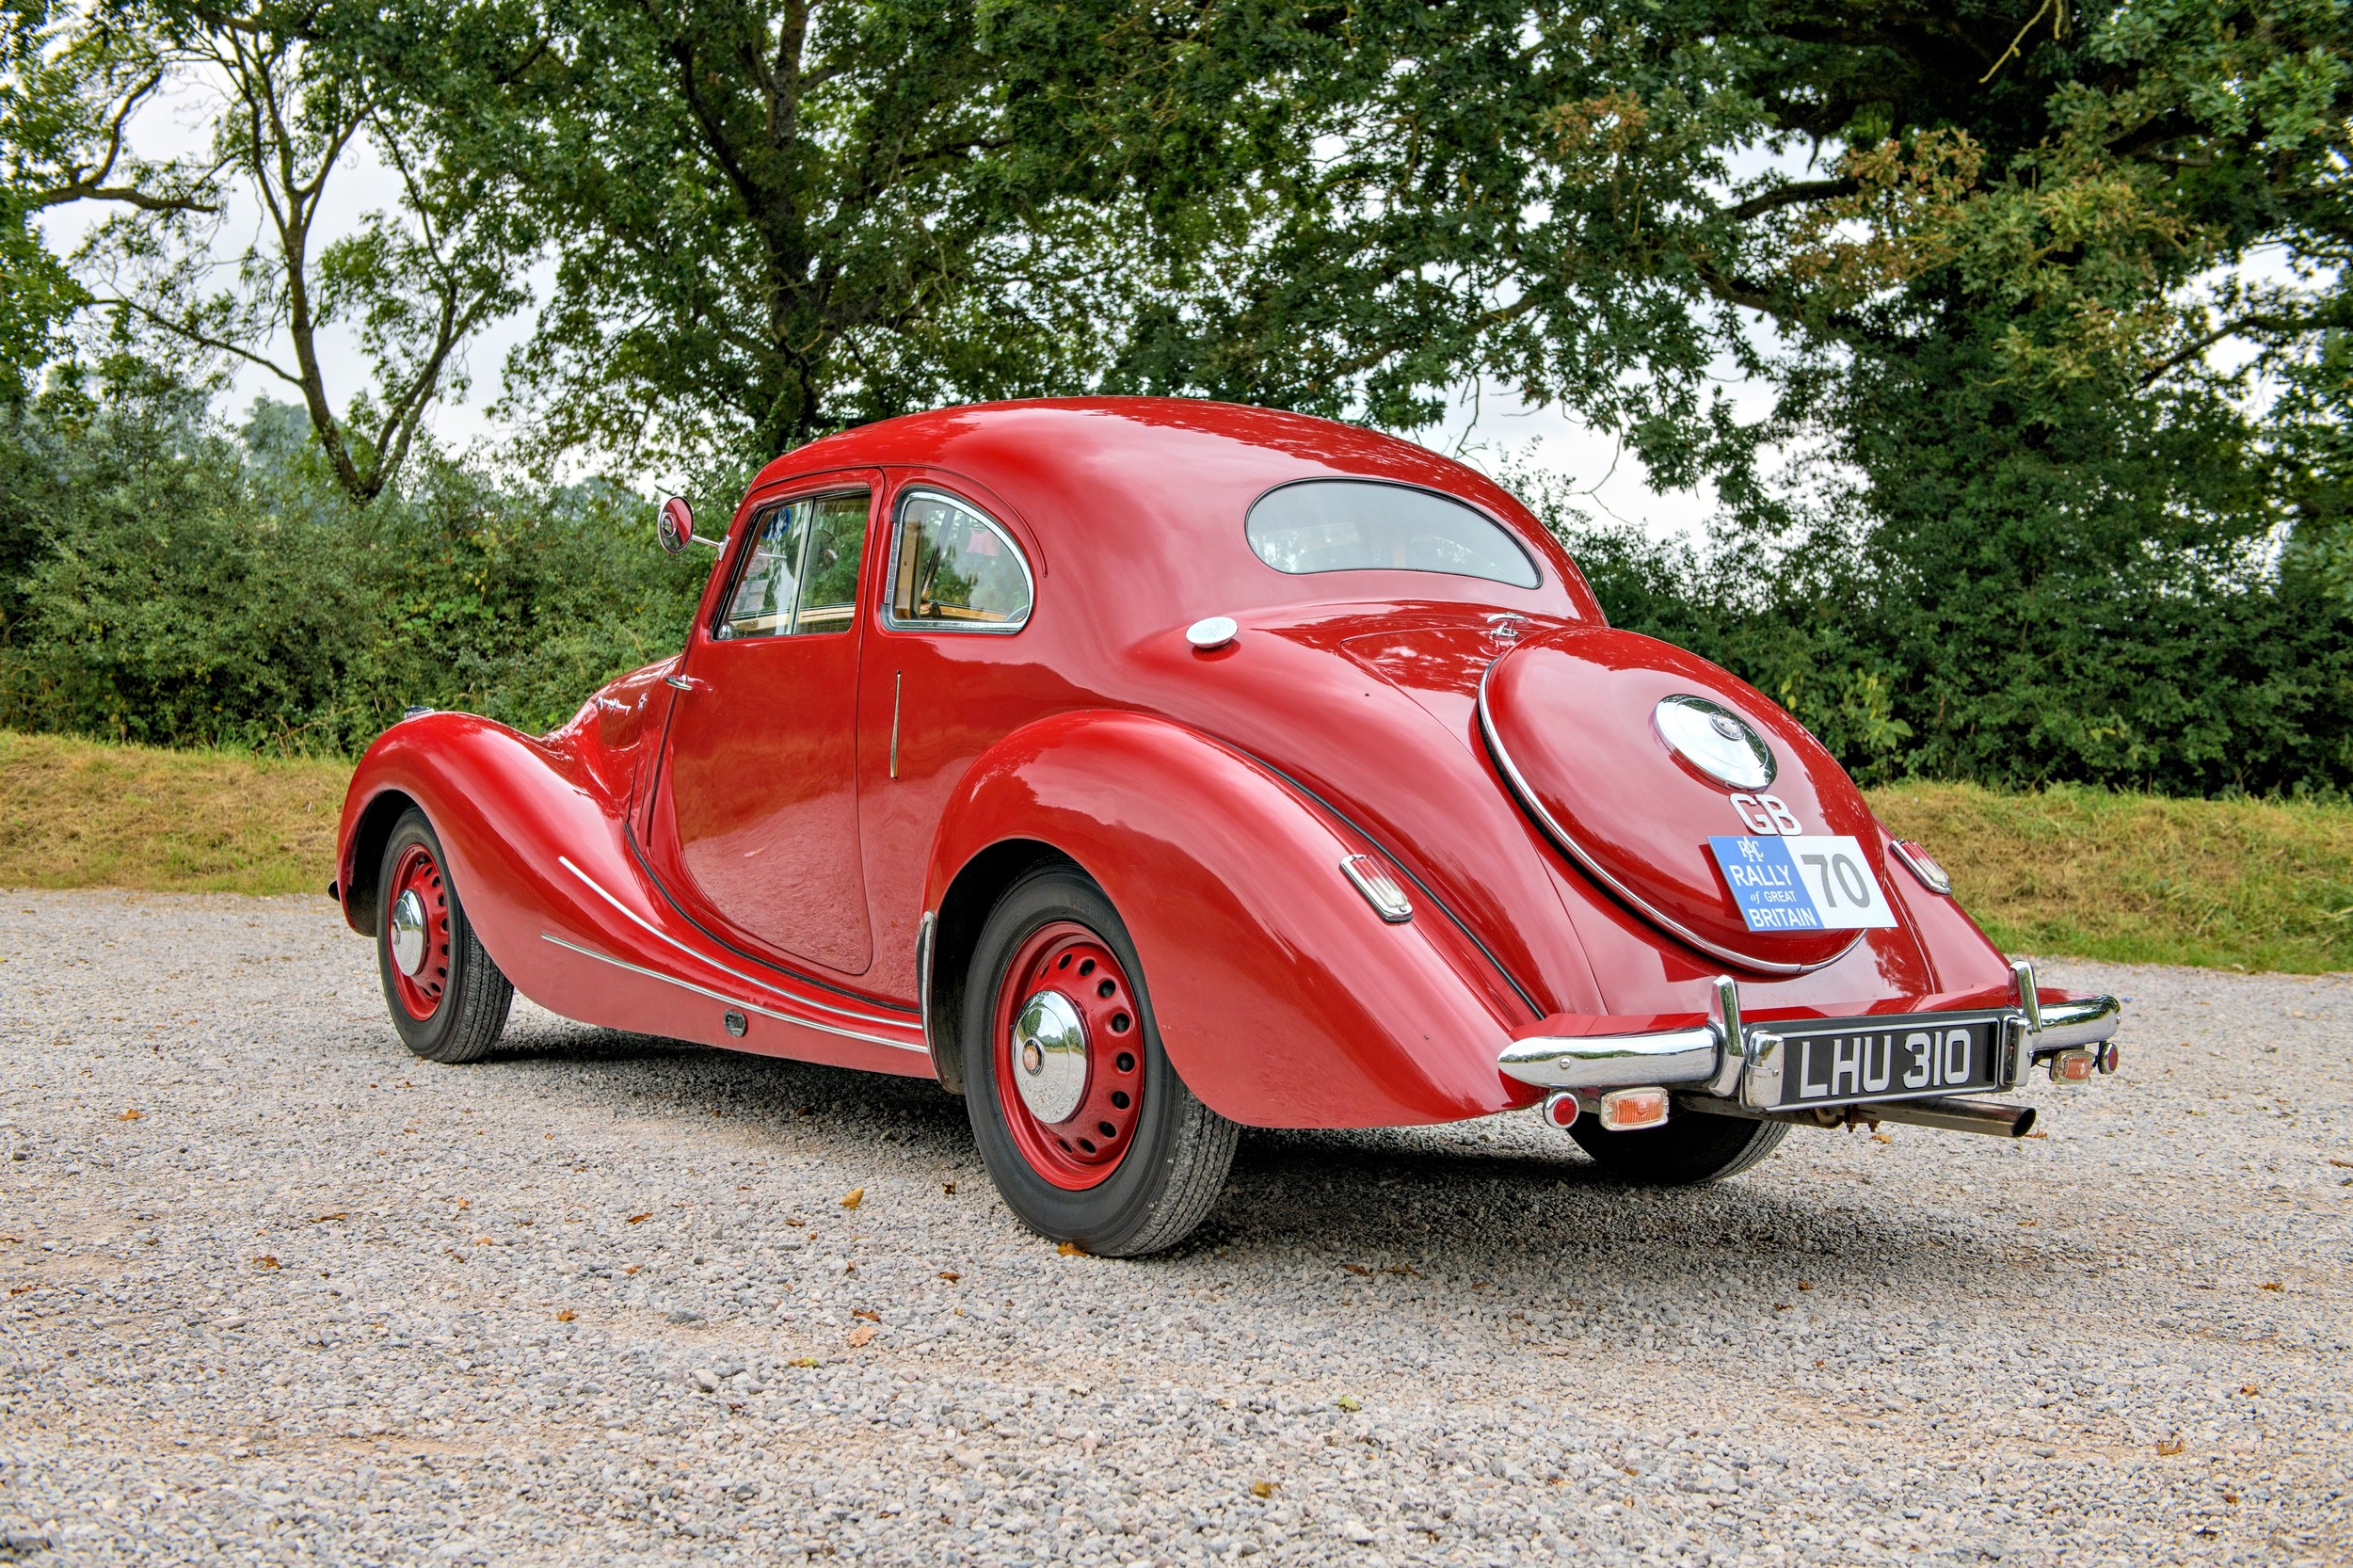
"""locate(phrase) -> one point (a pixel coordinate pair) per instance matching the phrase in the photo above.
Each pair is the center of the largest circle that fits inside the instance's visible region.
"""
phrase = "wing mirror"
(675, 526)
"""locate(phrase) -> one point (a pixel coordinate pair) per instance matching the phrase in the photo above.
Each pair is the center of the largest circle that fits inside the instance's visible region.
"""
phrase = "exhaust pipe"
(1957, 1116)
(1952, 1115)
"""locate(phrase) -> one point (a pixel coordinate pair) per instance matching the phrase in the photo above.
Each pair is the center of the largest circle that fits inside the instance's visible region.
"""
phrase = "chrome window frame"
(723, 616)
(1511, 534)
(889, 584)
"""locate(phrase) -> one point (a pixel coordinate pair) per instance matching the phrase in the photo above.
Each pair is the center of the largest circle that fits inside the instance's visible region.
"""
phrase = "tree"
(71, 82)
(415, 283)
(774, 218)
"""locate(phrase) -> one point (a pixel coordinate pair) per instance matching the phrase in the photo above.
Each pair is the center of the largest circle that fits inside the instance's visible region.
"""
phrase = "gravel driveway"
(279, 1292)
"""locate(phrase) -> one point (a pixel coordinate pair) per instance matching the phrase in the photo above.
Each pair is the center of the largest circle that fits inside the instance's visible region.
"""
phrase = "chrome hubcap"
(408, 942)
(1050, 1049)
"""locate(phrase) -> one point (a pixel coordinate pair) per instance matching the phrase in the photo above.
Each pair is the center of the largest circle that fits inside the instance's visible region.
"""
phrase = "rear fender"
(1282, 997)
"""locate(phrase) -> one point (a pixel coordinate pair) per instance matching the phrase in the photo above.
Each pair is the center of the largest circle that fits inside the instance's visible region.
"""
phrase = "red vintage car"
(1141, 769)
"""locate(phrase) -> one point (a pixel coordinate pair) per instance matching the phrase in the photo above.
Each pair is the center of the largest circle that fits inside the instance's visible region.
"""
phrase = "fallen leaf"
(855, 1195)
(565, 1316)
(20, 1289)
(1356, 1269)
(860, 1334)
(2341, 1164)
(803, 1361)
(2168, 1447)
(947, 1189)
(1262, 1489)
(1781, 1307)
(641, 1219)
(465, 1203)
(1071, 1249)
(2046, 1135)
(266, 1261)
(1881, 1138)
(1348, 1401)
(632, 1268)
(1402, 1268)
(869, 1313)
(322, 1219)
(132, 1116)
(485, 1242)
(2271, 1284)
(2230, 1497)
(950, 1275)
(2249, 1389)
(1806, 1284)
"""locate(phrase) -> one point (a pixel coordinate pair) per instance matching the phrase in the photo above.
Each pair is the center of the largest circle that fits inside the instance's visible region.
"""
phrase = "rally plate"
(1856, 1061)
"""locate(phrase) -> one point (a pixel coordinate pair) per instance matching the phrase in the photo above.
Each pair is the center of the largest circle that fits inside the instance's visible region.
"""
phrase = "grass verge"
(83, 814)
(2248, 884)
(2258, 884)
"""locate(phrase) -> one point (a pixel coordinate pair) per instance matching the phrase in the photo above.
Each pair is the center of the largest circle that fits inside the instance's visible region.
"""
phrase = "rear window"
(1363, 525)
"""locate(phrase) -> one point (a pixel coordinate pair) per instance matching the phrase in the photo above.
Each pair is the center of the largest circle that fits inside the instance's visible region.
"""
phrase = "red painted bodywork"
(771, 839)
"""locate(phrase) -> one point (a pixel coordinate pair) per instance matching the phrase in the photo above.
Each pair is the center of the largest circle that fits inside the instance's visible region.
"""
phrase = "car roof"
(1155, 490)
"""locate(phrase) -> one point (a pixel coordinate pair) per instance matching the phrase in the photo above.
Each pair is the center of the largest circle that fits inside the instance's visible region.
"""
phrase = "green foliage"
(198, 588)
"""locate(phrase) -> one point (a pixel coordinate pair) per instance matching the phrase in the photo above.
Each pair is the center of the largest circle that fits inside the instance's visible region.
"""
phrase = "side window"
(955, 570)
(800, 574)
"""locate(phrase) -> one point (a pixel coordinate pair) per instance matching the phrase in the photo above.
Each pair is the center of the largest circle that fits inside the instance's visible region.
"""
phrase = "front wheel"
(448, 1001)
(1086, 1128)
(1689, 1149)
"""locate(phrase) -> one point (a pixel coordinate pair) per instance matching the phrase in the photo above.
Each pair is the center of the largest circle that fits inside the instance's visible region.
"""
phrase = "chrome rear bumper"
(1725, 1060)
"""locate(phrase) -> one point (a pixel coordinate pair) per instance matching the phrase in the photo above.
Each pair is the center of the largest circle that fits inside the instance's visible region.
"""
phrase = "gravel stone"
(596, 1299)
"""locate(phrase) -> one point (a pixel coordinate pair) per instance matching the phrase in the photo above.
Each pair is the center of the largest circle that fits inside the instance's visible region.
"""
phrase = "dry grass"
(2248, 883)
(82, 814)
(2258, 884)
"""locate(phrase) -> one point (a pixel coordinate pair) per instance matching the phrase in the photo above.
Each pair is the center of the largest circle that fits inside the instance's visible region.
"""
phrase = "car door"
(947, 674)
(754, 823)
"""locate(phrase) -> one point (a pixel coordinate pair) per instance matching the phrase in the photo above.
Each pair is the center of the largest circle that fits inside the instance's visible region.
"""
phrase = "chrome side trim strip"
(1561, 836)
(660, 934)
(1613, 1061)
(723, 997)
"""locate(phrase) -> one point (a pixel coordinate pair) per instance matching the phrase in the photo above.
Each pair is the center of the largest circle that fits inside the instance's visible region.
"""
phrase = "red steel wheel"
(416, 934)
(1069, 1056)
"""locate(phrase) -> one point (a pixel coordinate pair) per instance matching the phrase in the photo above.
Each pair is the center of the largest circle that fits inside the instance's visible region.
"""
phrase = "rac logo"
(1766, 814)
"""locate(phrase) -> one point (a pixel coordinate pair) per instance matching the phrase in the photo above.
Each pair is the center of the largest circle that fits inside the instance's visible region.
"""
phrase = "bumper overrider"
(1820, 1071)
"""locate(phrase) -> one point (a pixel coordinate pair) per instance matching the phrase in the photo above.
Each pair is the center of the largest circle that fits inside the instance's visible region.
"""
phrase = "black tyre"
(1689, 1149)
(447, 1000)
(1088, 1132)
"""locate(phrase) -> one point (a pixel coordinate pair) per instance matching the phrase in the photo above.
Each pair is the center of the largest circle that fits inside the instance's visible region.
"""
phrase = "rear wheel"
(1687, 1149)
(448, 1001)
(1086, 1129)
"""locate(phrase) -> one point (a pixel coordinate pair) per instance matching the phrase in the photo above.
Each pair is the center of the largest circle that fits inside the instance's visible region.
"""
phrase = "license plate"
(1884, 1059)
(1806, 882)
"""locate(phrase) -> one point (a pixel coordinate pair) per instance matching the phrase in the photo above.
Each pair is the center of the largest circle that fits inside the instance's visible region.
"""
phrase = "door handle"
(686, 683)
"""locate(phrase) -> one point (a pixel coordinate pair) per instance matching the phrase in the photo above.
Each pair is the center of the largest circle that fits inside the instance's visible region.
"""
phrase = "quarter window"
(955, 570)
(1361, 525)
(801, 573)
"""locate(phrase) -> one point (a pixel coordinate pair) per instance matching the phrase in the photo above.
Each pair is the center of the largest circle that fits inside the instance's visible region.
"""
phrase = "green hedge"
(171, 583)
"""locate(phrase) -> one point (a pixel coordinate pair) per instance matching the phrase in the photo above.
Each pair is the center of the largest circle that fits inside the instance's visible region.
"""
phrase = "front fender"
(508, 807)
(1282, 998)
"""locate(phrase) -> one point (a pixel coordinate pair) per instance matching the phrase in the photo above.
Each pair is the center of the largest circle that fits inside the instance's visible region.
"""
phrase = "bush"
(180, 585)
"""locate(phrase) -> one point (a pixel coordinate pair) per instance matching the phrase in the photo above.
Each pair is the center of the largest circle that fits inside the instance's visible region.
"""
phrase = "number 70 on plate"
(1803, 882)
